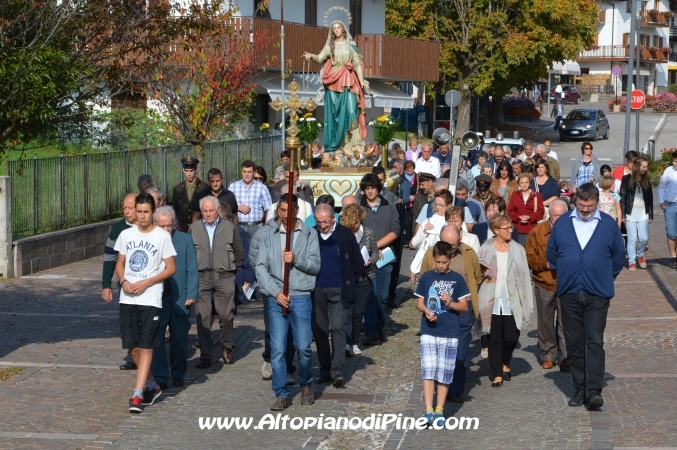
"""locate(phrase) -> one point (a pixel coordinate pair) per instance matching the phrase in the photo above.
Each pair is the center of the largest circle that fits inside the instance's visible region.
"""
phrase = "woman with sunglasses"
(505, 296)
(585, 167)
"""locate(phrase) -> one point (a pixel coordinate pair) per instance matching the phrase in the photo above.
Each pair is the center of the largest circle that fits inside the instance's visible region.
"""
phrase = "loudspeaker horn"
(470, 140)
(441, 136)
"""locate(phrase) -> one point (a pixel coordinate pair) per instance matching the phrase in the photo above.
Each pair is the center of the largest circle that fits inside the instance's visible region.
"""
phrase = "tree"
(489, 46)
(59, 59)
(204, 81)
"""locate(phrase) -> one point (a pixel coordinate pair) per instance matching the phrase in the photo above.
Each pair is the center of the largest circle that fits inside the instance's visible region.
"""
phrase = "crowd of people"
(484, 255)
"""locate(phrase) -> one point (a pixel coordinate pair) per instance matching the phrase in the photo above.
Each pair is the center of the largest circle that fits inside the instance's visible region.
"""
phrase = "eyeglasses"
(509, 227)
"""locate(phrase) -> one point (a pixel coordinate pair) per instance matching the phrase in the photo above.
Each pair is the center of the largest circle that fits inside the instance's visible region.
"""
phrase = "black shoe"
(324, 379)
(507, 375)
(595, 400)
(578, 399)
(673, 263)
(455, 398)
(338, 381)
(279, 405)
(178, 382)
(135, 405)
(149, 396)
(391, 304)
(203, 364)
(370, 340)
(382, 337)
(497, 383)
(163, 386)
(128, 366)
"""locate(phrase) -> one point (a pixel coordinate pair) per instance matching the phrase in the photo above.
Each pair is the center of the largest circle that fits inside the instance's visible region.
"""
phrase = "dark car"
(587, 124)
(571, 94)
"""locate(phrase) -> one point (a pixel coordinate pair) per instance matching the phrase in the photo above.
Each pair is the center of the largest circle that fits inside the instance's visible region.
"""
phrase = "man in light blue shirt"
(667, 198)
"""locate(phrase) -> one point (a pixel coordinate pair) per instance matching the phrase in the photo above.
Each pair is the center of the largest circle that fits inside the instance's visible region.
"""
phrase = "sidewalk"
(72, 395)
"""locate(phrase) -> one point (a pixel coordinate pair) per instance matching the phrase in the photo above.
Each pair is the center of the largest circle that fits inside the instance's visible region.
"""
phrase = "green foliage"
(672, 88)
(309, 128)
(384, 129)
(488, 47)
(134, 129)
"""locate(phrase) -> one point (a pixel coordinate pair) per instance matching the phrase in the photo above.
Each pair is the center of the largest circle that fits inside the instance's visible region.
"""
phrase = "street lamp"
(613, 20)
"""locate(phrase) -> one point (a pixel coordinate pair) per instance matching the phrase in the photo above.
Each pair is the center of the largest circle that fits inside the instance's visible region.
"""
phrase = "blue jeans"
(299, 317)
(375, 312)
(670, 213)
(638, 236)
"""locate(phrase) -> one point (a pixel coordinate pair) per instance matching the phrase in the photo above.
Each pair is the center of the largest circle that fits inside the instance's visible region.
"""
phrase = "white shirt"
(552, 154)
(144, 258)
(210, 230)
(501, 300)
(431, 166)
(667, 188)
(584, 228)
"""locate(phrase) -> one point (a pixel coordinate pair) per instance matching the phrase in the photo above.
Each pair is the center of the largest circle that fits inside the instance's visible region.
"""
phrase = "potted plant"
(668, 14)
(616, 105)
(384, 129)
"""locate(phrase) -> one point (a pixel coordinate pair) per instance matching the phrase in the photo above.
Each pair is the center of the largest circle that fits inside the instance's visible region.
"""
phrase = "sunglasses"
(258, 178)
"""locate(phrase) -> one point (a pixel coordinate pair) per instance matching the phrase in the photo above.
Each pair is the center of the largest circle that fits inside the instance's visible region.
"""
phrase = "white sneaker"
(356, 350)
(349, 350)
(267, 371)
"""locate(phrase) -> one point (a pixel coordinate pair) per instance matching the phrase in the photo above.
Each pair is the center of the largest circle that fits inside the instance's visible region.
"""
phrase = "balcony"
(673, 57)
(651, 18)
(619, 53)
(385, 57)
(673, 31)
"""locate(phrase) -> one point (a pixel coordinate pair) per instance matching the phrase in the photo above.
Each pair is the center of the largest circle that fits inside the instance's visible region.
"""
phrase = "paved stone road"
(73, 396)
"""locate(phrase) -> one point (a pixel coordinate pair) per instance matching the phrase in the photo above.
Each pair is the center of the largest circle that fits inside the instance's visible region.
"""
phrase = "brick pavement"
(77, 397)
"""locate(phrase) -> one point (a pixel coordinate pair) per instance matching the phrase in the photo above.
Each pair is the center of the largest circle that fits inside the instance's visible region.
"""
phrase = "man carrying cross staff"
(286, 267)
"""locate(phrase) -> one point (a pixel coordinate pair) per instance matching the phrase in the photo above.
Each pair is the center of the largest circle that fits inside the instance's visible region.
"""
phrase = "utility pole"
(628, 87)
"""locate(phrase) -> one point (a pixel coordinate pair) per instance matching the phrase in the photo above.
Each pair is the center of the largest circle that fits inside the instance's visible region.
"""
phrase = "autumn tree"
(59, 59)
(205, 80)
(489, 46)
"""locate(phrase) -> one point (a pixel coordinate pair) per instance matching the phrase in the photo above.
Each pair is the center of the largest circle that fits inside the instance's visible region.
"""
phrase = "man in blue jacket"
(179, 294)
(340, 266)
(586, 249)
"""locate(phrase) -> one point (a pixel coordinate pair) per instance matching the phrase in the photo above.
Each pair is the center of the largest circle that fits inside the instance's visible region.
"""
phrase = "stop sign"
(637, 99)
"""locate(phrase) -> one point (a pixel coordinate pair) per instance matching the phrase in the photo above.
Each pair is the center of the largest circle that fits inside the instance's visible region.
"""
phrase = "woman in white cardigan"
(428, 233)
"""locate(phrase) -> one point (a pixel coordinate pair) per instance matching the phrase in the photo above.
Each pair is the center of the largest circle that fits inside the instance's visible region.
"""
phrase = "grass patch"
(10, 372)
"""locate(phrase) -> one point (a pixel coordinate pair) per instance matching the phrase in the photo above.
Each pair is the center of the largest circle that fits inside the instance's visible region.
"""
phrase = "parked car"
(584, 124)
(571, 94)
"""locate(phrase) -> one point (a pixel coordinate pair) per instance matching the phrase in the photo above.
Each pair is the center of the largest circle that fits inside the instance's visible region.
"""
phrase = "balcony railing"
(657, 19)
(620, 52)
(386, 57)
(673, 31)
(673, 57)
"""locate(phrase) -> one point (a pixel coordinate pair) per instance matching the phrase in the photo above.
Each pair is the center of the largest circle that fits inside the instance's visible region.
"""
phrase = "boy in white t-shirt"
(145, 261)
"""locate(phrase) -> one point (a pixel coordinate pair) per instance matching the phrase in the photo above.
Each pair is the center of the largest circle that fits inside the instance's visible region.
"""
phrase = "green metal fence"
(54, 193)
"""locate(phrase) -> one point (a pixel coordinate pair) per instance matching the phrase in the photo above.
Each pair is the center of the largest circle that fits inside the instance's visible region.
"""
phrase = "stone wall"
(47, 250)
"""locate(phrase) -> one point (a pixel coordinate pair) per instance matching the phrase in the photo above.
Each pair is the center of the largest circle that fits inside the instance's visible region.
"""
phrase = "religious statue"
(344, 89)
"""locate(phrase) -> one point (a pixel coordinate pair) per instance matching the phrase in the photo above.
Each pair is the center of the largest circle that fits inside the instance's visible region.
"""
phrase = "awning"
(672, 66)
(383, 95)
(565, 68)
(386, 96)
(310, 83)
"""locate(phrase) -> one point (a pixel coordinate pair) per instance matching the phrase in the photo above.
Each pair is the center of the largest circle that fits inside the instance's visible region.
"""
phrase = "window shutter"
(356, 13)
(311, 12)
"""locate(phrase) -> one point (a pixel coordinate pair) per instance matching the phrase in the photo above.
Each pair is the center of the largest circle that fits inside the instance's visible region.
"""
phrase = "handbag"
(546, 213)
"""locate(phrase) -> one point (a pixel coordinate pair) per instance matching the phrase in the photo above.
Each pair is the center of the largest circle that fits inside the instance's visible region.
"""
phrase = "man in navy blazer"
(179, 294)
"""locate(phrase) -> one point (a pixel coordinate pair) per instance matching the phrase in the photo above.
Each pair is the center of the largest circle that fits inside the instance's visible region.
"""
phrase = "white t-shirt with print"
(144, 258)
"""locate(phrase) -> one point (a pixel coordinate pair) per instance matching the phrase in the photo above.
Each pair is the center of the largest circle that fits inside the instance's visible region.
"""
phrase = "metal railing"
(54, 193)
(673, 56)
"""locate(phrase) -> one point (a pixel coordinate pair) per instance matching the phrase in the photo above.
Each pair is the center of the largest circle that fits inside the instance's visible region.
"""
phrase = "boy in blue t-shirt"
(442, 298)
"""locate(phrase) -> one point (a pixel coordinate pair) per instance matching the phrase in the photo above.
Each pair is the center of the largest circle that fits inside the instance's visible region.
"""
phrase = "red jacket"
(533, 207)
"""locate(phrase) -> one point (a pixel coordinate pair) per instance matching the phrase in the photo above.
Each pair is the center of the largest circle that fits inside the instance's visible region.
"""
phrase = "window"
(645, 40)
(311, 12)
(356, 12)
(658, 41)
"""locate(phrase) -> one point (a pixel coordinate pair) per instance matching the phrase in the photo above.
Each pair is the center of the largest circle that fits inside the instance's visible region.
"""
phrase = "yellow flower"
(308, 114)
(383, 118)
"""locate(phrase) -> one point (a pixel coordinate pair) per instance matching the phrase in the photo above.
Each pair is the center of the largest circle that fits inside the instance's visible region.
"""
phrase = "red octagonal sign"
(637, 99)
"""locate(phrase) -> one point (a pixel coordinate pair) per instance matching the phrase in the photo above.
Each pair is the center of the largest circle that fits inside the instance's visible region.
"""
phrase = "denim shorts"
(670, 213)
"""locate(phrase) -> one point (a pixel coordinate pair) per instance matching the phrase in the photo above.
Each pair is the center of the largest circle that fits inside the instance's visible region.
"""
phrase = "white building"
(611, 46)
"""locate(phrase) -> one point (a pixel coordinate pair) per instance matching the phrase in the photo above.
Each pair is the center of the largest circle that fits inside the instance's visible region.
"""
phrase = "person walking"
(545, 290)
(219, 255)
(585, 167)
(586, 249)
(525, 208)
(637, 207)
(178, 296)
(667, 199)
(505, 296)
(269, 260)
(183, 193)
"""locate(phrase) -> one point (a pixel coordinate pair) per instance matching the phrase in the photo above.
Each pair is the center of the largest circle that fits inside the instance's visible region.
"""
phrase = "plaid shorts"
(438, 358)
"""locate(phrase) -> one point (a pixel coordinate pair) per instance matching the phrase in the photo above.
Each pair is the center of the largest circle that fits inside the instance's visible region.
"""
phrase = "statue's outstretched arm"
(319, 58)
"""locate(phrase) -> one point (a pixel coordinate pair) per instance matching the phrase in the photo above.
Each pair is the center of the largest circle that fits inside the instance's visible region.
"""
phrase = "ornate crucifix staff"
(293, 105)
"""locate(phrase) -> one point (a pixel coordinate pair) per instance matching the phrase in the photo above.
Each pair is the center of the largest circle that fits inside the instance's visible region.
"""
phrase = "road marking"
(56, 436)
(47, 366)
